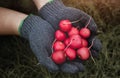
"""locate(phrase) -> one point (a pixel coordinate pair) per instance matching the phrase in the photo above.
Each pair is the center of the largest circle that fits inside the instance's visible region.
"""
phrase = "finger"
(97, 45)
(44, 58)
(50, 65)
(46, 61)
(92, 26)
(69, 67)
(94, 53)
(80, 66)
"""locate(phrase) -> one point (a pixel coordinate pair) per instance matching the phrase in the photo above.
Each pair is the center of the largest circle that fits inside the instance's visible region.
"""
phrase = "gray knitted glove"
(40, 35)
(55, 11)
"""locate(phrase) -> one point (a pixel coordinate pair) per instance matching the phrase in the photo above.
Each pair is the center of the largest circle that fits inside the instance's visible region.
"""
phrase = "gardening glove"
(55, 11)
(40, 35)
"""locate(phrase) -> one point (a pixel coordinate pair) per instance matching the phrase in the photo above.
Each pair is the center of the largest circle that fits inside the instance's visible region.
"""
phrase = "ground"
(18, 61)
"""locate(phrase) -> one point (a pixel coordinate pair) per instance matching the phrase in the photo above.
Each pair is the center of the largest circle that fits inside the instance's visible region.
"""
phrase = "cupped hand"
(56, 11)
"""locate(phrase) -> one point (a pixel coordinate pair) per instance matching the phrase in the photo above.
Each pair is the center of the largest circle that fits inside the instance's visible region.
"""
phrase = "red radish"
(59, 35)
(58, 45)
(70, 53)
(85, 32)
(73, 31)
(65, 25)
(70, 42)
(84, 43)
(75, 41)
(58, 57)
(83, 53)
(67, 41)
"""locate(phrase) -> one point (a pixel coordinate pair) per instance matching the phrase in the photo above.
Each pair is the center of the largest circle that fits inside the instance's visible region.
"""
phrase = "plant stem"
(77, 20)
(53, 44)
(88, 23)
(91, 44)
(68, 45)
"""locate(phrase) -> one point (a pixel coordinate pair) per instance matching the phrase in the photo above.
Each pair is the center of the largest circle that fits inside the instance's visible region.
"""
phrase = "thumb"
(44, 59)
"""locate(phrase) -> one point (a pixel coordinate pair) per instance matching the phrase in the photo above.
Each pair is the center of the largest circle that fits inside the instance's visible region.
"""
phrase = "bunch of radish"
(70, 42)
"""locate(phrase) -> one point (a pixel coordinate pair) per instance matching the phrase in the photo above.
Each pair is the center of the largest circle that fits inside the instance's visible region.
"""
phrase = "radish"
(85, 32)
(75, 41)
(83, 53)
(59, 35)
(58, 45)
(70, 42)
(65, 25)
(67, 41)
(84, 43)
(73, 31)
(58, 57)
(70, 53)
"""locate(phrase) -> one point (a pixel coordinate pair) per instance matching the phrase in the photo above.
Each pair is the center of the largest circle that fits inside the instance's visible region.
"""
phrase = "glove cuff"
(29, 23)
(51, 8)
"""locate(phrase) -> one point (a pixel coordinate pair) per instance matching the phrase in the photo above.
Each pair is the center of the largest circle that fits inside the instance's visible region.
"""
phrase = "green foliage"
(18, 61)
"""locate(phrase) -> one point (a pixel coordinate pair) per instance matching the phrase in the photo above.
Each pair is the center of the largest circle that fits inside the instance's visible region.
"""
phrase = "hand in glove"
(40, 35)
(55, 11)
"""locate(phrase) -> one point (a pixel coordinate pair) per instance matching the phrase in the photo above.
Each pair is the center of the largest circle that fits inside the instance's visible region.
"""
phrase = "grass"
(18, 61)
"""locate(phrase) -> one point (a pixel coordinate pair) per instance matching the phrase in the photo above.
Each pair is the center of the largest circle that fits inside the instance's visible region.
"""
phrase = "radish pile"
(70, 43)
